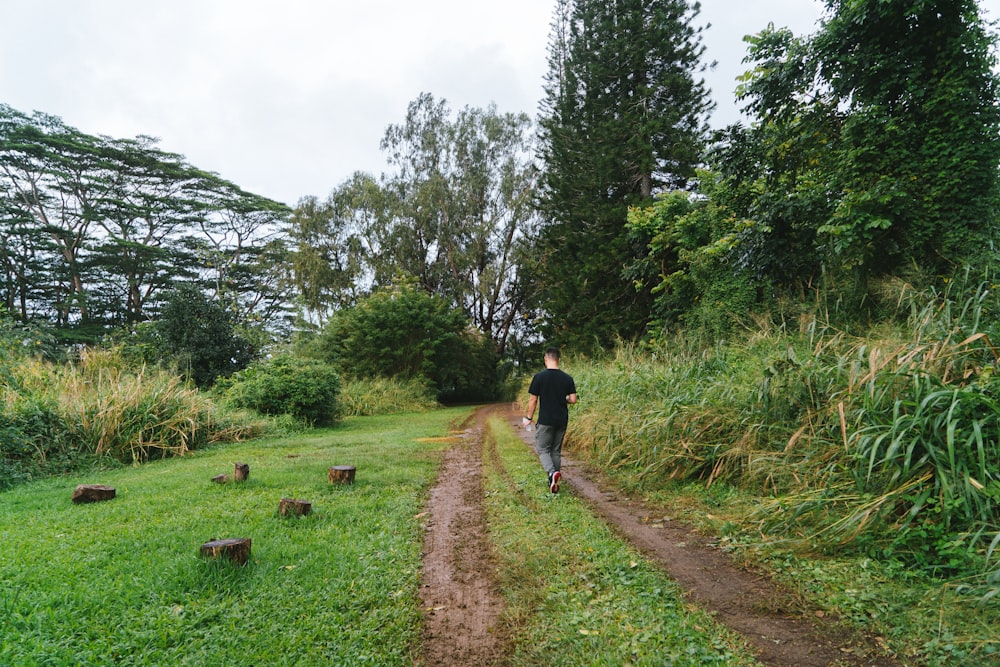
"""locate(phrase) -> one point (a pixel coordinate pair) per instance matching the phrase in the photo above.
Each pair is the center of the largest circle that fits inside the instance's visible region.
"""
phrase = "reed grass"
(99, 407)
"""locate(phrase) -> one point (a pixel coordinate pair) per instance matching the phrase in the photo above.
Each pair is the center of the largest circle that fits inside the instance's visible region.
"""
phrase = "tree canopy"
(94, 230)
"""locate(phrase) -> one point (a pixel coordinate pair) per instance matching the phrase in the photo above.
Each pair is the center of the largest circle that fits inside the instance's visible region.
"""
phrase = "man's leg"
(544, 442)
(555, 452)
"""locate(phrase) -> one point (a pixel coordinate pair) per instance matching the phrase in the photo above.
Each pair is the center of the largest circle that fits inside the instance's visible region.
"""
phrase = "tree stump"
(290, 506)
(241, 471)
(92, 493)
(220, 479)
(341, 475)
(235, 549)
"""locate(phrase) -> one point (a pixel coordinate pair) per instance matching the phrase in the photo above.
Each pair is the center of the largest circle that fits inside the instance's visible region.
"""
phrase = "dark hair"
(552, 352)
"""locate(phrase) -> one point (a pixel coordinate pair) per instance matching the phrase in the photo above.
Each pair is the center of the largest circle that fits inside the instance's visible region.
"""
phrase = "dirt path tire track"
(783, 633)
(463, 607)
(462, 604)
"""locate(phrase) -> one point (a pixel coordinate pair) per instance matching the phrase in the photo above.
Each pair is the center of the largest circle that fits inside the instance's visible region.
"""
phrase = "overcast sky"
(287, 99)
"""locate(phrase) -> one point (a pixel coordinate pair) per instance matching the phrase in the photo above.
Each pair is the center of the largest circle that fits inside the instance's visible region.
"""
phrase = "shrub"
(405, 333)
(307, 389)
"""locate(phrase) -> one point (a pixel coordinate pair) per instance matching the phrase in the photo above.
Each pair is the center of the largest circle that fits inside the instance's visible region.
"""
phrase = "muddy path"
(463, 609)
(462, 605)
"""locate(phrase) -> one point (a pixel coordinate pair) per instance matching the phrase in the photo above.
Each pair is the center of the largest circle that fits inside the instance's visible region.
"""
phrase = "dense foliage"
(60, 417)
(197, 338)
(873, 147)
(306, 389)
(404, 332)
(884, 444)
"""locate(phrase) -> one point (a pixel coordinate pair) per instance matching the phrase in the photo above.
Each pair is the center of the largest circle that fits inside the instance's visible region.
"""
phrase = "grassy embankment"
(863, 469)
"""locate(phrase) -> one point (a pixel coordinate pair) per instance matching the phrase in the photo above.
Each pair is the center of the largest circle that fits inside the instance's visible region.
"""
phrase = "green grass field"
(121, 582)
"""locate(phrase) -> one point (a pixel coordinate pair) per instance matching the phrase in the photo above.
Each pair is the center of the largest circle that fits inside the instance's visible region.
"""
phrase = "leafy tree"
(404, 332)
(875, 143)
(461, 206)
(920, 141)
(198, 338)
(689, 263)
(453, 216)
(329, 256)
(623, 118)
(96, 229)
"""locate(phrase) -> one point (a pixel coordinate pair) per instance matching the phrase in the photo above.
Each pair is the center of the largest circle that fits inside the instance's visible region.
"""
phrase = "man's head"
(552, 354)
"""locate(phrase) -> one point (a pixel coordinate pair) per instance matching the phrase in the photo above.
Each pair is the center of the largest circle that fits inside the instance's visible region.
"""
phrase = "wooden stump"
(341, 475)
(241, 471)
(92, 493)
(235, 549)
(220, 479)
(290, 506)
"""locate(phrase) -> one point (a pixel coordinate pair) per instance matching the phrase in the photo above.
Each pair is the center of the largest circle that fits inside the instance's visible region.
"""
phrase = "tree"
(198, 338)
(404, 332)
(329, 257)
(623, 118)
(96, 229)
(453, 216)
(920, 142)
(874, 147)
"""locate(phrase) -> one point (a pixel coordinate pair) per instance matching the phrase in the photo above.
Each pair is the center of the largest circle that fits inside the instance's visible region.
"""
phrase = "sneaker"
(554, 482)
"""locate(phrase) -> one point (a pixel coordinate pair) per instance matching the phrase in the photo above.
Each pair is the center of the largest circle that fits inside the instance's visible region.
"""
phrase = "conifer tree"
(622, 119)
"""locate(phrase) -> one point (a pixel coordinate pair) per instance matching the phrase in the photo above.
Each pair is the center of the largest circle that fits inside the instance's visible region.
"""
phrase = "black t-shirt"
(552, 386)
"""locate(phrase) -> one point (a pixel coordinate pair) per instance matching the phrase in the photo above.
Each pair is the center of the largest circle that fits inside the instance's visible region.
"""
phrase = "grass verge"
(576, 594)
(121, 583)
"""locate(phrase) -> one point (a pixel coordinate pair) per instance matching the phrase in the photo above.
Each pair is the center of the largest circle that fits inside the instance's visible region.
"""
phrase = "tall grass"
(885, 442)
(99, 408)
(361, 397)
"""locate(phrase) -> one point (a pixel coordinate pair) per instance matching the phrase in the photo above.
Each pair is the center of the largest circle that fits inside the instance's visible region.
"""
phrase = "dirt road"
(463, 608)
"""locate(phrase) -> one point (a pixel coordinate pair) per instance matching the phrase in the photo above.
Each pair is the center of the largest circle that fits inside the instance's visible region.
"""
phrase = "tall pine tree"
(623, 118)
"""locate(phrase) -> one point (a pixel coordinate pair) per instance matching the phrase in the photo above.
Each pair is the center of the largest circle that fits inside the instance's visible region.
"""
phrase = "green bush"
(307, 389)
(405, 333)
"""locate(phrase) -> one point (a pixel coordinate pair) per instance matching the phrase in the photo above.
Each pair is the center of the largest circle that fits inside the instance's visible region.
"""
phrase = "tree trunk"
(235, 549)
(341, 475)
(294, 507)
(92, 493)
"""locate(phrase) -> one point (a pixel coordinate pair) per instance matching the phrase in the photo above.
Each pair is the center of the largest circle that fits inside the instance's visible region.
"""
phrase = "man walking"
(552, 390)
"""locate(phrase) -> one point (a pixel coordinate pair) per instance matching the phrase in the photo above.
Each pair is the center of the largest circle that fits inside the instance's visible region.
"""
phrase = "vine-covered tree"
(623, 118)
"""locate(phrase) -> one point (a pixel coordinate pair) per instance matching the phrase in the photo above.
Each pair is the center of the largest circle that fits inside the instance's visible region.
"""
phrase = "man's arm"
(532, 402)
(571, 399)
